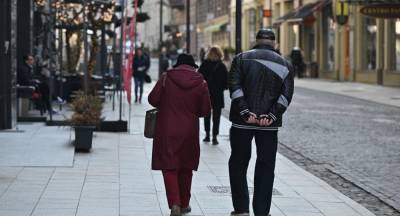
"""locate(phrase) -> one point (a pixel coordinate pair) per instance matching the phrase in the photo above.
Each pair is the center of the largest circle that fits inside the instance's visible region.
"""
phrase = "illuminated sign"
(386, 11)
(267, 13)
(342, 12)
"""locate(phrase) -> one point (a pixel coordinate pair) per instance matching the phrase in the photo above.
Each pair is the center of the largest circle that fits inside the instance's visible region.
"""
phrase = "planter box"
(113, 126)
(83, 138)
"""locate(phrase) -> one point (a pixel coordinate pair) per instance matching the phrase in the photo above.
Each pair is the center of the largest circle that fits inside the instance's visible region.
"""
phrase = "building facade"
(149, 31)
(252, 21)
(212, 23)
(365, 49)
(15, 41)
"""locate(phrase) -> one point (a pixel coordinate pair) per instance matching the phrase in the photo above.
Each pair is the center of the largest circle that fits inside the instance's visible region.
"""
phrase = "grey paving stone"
(116, 179)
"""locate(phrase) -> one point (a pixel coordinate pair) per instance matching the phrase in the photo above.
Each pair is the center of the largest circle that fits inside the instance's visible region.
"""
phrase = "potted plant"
(85, 118)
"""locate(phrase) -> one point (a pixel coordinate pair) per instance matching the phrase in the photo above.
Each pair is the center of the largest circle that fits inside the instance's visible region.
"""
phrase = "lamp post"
(161, 22)
(188, 26)
(122, 57)
(86, 47)
(238, 26)
(161, 38)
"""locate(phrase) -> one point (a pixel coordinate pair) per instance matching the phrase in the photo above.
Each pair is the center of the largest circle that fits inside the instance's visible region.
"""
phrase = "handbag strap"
(164, 79)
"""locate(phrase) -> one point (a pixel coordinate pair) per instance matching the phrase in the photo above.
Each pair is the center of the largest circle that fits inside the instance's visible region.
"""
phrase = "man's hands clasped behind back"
(263, 120)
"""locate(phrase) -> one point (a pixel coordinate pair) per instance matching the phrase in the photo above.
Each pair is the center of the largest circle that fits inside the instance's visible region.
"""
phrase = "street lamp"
(238, 26)
(188, 26)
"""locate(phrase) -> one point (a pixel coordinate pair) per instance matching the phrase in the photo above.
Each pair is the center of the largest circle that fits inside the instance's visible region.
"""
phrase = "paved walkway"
(115, 180)
(374, 93)
(31, 144)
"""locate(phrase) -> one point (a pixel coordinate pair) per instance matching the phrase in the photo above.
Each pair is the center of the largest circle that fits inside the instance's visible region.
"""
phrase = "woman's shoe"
(175, 211)
(186, 210)
(215, 141)
(234, 213)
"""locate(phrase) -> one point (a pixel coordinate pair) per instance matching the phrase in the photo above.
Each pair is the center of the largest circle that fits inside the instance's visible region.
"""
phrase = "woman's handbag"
(150, 123)
(151, 119)
(147, 78)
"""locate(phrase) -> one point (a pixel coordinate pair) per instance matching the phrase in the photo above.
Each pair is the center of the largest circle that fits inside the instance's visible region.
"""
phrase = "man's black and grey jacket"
(261, 82)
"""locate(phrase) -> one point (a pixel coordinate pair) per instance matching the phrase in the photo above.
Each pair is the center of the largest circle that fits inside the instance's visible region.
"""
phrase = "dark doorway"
(7, 68)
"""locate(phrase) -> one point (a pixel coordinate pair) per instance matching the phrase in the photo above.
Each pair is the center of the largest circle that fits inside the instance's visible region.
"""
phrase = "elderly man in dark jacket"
(261, 87)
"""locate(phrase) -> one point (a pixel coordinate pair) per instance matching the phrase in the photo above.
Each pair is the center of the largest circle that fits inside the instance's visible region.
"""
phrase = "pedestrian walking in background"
(261, 87)
(202, 54)
(164, 61)
(181, 97)
(44, 86)
(215, 73)
(298, 62)
(141, 64)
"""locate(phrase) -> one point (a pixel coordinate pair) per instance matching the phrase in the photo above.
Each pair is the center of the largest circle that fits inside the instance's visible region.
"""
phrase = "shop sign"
(309, 20)
(386, 11)
(267, 13)
(342, 12)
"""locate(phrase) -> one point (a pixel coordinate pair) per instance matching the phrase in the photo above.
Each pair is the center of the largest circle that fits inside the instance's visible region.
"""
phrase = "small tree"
(87, 110)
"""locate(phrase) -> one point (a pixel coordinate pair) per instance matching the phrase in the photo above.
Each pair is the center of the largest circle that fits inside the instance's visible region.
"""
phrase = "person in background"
(261, 86)
(25, 73)
(215, 73)
(141, 65)
(164, 61)
(202, 54)
(44, 86)
(227, 59)
(26, 77)
(181, 97)
(298, 62)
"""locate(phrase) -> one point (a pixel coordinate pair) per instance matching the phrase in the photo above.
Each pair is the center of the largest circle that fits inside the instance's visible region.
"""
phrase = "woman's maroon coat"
(181, 96)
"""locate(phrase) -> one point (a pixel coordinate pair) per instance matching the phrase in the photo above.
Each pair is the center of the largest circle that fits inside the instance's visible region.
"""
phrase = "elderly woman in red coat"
(181, 96)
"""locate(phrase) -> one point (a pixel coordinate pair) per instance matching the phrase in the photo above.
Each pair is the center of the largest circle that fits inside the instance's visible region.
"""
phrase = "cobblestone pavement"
(350, 143)
(356, 139)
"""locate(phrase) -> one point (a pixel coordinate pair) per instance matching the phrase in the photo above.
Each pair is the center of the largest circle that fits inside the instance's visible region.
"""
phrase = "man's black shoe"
(207, 139)
(215, 141)
(234, 213)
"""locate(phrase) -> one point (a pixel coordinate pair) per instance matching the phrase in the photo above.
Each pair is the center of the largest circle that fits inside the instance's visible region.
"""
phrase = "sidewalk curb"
(332, 90)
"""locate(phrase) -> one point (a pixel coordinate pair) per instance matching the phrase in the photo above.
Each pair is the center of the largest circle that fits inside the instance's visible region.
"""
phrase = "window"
(370, 46)
(260, 17)
(395, 50)
(331, 45)
(252, 25)
(329, 26)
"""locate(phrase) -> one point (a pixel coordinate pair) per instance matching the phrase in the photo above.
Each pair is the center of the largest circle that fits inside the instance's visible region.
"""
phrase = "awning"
(216, 27)
(299, 14)
(283, 18)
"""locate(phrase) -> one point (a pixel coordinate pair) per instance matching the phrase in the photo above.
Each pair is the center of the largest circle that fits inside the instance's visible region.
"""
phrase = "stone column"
(8, 75)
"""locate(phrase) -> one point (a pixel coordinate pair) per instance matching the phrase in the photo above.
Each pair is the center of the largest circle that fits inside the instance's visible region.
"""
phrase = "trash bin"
(314, 70)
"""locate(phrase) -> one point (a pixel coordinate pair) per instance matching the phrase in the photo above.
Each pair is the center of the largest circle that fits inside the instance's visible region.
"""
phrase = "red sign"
(309, 20)
(386, 11)
(267, 13)
(128, 70)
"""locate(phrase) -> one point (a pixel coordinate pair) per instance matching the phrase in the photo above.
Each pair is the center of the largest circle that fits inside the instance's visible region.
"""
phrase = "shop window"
(260, 17)
(330, 63)
(395, 50)
(370, 46)
(252, 25)
(296, 31)
(329, 27)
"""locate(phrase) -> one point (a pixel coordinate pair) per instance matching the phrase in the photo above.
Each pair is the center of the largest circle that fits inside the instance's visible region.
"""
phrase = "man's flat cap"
(265, 34)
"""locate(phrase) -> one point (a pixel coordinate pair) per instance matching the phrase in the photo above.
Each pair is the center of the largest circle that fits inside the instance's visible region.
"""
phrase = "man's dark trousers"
(266, 143)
